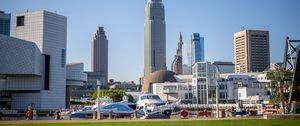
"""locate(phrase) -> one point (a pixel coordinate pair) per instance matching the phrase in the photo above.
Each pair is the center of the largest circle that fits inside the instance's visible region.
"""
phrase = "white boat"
(148, 100)
(119, 109)
(151, 104)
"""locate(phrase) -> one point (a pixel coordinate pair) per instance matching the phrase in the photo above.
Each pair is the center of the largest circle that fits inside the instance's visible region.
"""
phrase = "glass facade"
(195, 49)
(63, 57)
(4, 23)
(204, 83)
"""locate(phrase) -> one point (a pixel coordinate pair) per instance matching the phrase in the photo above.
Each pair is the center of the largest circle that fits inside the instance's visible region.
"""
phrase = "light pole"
(217, 99)
(216, 76)
(98, 100)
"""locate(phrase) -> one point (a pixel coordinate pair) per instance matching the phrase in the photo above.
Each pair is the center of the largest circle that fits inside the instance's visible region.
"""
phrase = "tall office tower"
(154, 37)
(100, 55)
(195, 49)
(251, 51)
(49, 32)
(177, 62)
(4, 23)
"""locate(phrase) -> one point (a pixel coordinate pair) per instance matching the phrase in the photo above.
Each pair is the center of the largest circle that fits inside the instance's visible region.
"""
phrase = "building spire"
(179, 48)
(177, 62)
(180, 37)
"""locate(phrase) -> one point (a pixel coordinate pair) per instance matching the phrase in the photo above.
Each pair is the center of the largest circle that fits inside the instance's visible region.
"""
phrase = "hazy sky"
(123, 21)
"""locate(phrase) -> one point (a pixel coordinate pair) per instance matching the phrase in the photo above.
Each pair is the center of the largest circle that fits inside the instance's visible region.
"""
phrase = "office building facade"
(100, 56)
(251, 51)
(4, 23)
(195, 49)
(154, 37)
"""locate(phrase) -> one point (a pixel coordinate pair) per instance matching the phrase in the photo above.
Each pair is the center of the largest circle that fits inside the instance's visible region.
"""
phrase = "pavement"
(114, 120)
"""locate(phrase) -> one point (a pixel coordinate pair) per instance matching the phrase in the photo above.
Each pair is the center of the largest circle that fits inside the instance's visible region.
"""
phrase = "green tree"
(130, 98)
(115, 95)
(279, 82)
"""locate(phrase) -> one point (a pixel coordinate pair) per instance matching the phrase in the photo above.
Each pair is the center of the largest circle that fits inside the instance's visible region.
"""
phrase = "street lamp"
(217, 99)
(98, 100)
(216, 77)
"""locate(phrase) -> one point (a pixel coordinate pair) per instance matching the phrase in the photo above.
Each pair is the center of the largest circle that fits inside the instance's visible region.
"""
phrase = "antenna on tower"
(243, 28)
(264, 27)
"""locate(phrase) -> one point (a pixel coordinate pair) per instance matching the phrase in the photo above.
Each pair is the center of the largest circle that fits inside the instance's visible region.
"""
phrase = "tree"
(279, 78)
(130, 98)
(115, 95)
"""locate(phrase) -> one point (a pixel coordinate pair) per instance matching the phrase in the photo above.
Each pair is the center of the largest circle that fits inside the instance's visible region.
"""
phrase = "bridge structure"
(291, 63)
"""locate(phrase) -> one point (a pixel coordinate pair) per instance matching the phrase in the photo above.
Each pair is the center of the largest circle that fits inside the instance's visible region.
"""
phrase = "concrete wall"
(19, 57)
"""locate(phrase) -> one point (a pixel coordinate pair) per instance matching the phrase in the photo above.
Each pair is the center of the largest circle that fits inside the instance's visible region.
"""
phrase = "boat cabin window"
(150, 97)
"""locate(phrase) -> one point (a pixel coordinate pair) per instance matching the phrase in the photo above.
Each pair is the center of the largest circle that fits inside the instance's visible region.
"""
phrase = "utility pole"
(98, 100)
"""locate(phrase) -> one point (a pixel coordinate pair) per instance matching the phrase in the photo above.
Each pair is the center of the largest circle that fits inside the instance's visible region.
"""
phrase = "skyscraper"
(177, 62)
(100, 55)
(195, 49)
(4, 23)
(154, 37)
(251, 51)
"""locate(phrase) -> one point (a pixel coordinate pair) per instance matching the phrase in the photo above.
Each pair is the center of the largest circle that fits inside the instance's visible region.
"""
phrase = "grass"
(242, 122)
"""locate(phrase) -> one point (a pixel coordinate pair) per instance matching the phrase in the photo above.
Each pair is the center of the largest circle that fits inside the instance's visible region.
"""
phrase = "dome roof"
(160, 76)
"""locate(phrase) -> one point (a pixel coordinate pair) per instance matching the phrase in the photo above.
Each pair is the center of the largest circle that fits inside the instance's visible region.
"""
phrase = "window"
(150, 97)
(20, 20)
(63, 57)
(222, 87)
(222, 95)
(47, 73)
(169, 88)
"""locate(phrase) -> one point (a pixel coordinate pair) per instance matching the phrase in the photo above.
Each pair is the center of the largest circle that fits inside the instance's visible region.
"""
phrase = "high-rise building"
(100, 56)
(154, 37)
(251, 51)
(4, 23)
(195, 49)
(177, 62)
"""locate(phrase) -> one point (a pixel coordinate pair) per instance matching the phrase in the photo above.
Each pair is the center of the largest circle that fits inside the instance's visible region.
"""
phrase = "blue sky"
(123, 21)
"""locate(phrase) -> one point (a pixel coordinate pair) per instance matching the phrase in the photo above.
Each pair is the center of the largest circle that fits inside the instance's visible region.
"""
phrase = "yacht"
(149, 99)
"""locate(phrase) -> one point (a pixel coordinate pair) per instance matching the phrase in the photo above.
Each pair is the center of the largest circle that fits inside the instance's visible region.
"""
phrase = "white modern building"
(224, 67)
(172, 91)
(200, 88)
(243, 86)
(205, 76)
(33, 65)
(247, 87)
(75, 78)
(174, 88)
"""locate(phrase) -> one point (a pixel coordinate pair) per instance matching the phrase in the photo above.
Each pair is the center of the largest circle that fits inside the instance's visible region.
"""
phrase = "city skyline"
(218, 25)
